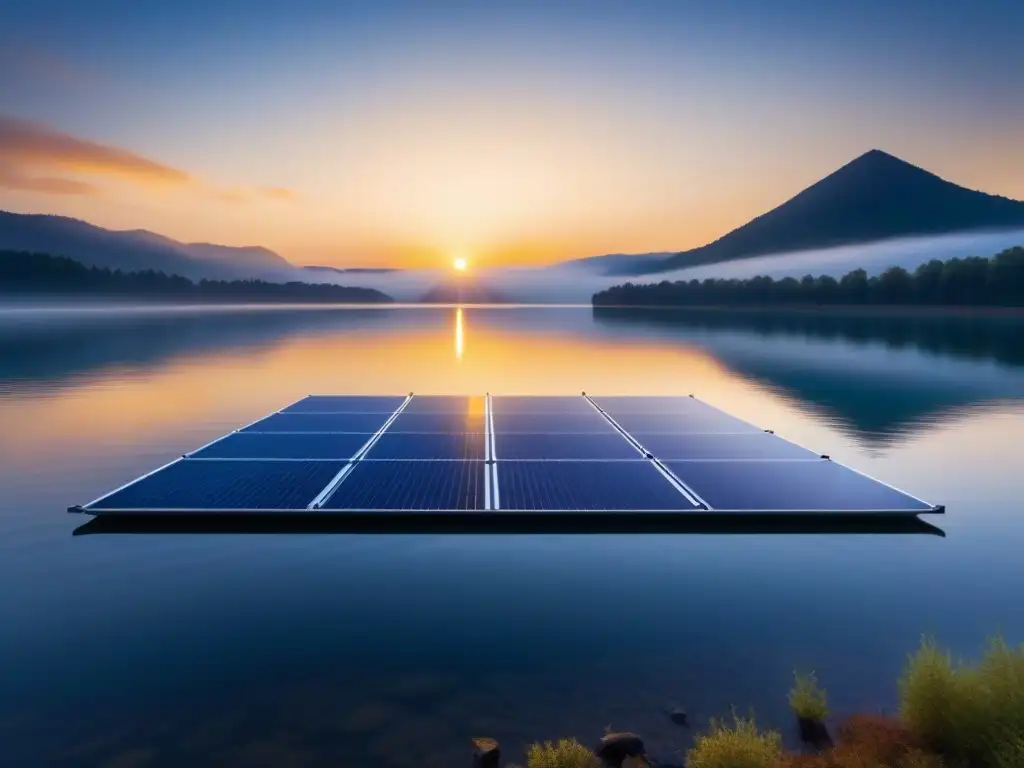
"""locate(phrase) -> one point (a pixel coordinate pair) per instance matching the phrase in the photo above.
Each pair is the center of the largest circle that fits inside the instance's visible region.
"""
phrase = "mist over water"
(576, 282)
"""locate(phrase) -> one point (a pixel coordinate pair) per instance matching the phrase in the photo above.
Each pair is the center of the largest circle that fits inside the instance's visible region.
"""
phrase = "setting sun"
(460, 265)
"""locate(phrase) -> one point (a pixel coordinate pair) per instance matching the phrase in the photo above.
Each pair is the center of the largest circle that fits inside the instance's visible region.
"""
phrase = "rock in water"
(678, 716)
(616, 747)
(486, 753)
(814, 732)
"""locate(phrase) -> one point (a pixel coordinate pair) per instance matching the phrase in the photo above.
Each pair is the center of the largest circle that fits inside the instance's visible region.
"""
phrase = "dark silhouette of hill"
(874, 197)
(39, 274)
(138, 250)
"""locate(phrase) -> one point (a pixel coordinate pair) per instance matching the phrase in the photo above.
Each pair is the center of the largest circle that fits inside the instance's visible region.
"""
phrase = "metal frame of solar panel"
(449, 455)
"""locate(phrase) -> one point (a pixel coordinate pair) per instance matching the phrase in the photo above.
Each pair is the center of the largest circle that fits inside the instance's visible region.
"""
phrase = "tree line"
(971, 281)
(42, 274)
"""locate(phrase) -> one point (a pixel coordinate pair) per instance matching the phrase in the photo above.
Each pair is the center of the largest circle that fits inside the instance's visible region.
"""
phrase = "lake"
(395, 650)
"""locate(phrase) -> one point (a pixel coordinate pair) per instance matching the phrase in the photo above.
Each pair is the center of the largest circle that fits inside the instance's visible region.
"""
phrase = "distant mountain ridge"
(139, 249)
(874, 197)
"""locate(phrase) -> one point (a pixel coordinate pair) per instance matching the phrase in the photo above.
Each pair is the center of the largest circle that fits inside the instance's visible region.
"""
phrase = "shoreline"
(856, 310)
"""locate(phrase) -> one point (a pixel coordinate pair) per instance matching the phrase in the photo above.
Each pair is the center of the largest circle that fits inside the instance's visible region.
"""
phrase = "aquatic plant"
(968, 712)
(740, 745)
(567, 753)
(807, 698)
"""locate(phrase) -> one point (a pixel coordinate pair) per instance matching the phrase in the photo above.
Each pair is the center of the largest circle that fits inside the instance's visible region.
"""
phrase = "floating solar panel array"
(458, 455)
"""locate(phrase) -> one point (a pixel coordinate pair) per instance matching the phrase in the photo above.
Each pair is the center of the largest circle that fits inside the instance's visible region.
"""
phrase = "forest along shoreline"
(974, 284)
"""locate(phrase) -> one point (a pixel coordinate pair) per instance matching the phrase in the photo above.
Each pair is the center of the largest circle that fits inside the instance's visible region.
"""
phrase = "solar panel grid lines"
(665, 472)
(537, 455)
(321, 498)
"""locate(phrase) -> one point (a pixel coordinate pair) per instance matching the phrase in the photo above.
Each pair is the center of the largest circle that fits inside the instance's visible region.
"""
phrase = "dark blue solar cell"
(510, 405)
(438, 422)
(446, 404)
(429, 445)
(411, 485)
(586, 486)
(346, 404)
(790, 486)
(538, 423)
(708, 422)
(516, 445)
(221, 485)
(758, 445)
(320, 422)
(266, 445)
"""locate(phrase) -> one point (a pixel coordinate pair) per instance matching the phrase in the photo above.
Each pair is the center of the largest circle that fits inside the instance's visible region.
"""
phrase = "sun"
(460, 265)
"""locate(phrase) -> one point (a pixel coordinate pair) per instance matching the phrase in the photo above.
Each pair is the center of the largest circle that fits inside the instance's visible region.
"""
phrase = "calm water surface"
(383, 650)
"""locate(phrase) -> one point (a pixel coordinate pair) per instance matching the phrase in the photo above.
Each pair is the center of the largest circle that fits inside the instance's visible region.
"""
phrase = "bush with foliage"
(567, 753)
(740, 745)
(970, 713)
(807, 698)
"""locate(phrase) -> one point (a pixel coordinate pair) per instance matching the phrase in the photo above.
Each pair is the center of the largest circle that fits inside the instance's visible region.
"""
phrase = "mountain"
(614, 261)
(137, 250)
(875, 197)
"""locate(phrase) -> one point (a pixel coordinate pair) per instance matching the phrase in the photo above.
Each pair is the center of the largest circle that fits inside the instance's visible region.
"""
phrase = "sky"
(408, 134)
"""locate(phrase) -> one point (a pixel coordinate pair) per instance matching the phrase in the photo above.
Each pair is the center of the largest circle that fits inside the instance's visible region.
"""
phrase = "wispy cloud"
(12, 178)
(28, 149)
(32, 144)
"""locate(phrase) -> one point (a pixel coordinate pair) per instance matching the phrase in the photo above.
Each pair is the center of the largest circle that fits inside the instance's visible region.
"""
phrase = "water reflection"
(200, 649)
(879, 379)
(458, 334)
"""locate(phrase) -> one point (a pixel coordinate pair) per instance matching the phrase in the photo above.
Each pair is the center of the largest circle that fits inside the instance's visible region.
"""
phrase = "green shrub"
(973, 713)
(807, 699)
(567, 753)
(739, 746)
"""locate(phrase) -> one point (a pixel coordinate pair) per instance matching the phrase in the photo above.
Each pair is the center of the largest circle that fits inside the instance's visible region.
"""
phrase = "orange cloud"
(12, 178)
(27, 143)
(27, 146)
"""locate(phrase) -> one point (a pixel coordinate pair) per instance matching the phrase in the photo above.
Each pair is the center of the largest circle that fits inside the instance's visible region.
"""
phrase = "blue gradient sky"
(407, 133)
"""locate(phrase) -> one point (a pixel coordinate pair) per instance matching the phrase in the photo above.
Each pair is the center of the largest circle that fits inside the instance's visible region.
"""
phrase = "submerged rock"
(678, 716)
(616, 747)
(486, 753)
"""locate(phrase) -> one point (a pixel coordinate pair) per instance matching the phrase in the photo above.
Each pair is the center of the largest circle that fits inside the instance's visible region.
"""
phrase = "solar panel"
(586, 486)
(790, 486)
(520, 405)
(346, 404)
(223, 485)
(411, 485)
(267, 445)
(428, 445)
(520, 445)
(446, 404)
(511, 455)
(437, 422)
(696, 447)
(320, 422)
(565, 423)
(620, 404)
(706, 422)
